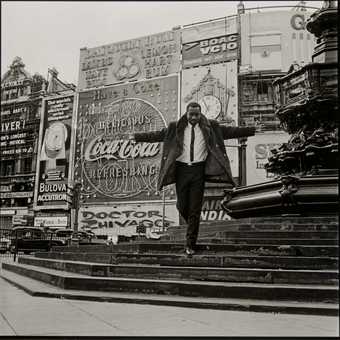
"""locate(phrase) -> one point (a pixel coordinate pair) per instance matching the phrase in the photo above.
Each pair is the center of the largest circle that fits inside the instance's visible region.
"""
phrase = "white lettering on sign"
(119, 149)
(52, 187)
(52, 197)
(217, 45)
(112, 171)
(55, 221)
(14, 83)
(212, 211)
(12, 126)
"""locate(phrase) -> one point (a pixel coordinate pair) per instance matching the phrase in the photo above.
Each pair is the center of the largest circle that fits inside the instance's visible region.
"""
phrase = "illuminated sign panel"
(54, 153)
(109, 166)
(142, 58)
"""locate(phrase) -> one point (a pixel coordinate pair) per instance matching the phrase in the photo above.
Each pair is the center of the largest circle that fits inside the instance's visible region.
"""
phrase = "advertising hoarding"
(274, 40)
(258, 151)
(17, 135)
(212, 209)
(54, 221)
(210, 42)
(53, 165)
(215, 88)
(141, 58)
(216, 84)
(109, 166)
(208, 51)
(127, 219)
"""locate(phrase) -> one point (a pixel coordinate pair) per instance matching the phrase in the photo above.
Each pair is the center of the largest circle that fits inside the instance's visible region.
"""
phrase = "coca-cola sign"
(110, 166)
(120, 149)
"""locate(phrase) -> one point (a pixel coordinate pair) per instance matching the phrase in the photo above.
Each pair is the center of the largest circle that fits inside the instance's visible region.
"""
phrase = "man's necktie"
(192, 143)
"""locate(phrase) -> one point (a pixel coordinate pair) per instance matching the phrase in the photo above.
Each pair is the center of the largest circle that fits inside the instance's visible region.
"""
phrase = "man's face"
(193, 115)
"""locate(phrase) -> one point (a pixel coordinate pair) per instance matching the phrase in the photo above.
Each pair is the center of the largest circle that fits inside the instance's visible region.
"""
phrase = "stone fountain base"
(305, 196)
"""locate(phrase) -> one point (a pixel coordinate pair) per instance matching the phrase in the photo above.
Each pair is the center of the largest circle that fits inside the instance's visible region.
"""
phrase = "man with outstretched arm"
(193, 153)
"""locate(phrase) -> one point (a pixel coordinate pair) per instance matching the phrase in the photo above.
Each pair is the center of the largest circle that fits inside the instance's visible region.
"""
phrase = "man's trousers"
(190, 190)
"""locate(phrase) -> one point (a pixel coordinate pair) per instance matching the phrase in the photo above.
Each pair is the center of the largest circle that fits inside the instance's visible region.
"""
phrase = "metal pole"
(16, 245)
(76, 194)
(243, 161)
(163, 212)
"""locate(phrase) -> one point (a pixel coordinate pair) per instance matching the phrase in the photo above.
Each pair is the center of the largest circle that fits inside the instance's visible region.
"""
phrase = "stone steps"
(40, 289)
(211, 260)
(260, 227)
(273, 241)
(278, 234)
(214, 289)
(283, 219)
(325, 277)
(272, 264)
(212, 248)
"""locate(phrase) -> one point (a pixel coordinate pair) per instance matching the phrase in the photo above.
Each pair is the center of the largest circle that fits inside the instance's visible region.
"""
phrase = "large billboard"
(127, 219)
(208, 51)
(53, 165)
(141, 58)
(211, 42)
(258, 152)
(274, 40)
(17, 134)
(109, 166)
(215, 88)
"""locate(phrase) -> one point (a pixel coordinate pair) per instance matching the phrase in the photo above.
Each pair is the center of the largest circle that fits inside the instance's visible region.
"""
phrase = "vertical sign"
(54, 153)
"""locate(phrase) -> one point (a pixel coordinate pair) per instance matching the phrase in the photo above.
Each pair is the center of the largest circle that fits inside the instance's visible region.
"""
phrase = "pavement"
(24, 315)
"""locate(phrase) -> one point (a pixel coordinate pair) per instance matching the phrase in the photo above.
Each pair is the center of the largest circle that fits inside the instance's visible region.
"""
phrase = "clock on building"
(211, 106)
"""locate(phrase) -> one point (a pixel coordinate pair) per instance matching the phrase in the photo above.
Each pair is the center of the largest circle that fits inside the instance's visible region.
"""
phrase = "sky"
(48, 34)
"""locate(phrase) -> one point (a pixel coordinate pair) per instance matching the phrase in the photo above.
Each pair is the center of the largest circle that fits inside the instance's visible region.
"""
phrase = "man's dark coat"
(217, 166)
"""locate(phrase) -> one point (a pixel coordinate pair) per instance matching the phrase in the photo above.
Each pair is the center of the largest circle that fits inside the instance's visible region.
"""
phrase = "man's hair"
(193, 104)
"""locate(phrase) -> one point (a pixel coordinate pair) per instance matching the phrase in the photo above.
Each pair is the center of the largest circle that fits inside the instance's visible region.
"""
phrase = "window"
(7, 167)
(26, 165)
(262, 88)
(262, 91)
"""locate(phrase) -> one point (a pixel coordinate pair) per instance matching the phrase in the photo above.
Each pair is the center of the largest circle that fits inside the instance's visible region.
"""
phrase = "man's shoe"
(189, 251)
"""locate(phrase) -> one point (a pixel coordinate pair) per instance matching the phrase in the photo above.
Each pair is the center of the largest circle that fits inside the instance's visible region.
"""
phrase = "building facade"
(21, 109)
(138, 85)
(272, 40)
(142, 84)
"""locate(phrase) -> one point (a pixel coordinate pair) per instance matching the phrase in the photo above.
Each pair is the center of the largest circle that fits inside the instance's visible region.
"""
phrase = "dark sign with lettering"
(208, 51)
(109, 165)
(17, 134)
